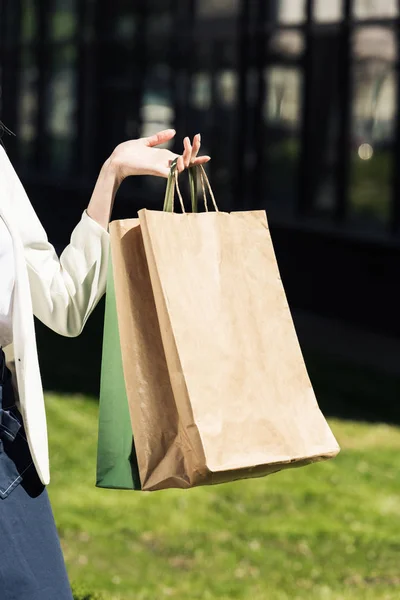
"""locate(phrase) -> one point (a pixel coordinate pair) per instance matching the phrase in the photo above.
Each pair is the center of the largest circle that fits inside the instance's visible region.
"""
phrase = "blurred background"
(298, 104)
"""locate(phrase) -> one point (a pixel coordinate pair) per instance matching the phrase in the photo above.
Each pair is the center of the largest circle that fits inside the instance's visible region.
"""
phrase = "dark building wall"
(297, 106)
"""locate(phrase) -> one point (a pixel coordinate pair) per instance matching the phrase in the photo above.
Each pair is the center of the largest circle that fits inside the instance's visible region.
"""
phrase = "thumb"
(159, 138)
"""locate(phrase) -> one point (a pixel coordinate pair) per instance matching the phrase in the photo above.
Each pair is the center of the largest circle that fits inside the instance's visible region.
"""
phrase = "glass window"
(28, 105)
(118, 20)
(282, 117)
(370, 9)
(291, 11)
(213, 112)
(124, 26)
(287, 43)
(217, 8)
(223, 148)
(201, 90)
(61, 102)
(63, 20)
(159, 24)
(157, 112)
(373, 124)
(29, 20)
(159, 44)
(327, 12)
(202, 108)
(227, 87)
(282, 104)
(322, 125)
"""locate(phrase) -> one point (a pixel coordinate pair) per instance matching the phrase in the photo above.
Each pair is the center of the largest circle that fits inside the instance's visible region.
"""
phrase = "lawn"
(325, 532)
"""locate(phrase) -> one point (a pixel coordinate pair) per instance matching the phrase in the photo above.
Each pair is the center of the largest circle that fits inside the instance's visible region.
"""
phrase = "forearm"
(66, 289)
(102, 200)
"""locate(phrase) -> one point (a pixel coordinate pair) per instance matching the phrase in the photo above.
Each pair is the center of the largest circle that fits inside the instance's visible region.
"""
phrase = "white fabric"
(7, 277)
(60, 292)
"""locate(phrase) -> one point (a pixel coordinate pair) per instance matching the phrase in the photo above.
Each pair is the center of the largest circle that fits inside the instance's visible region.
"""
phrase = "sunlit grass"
(329, 531)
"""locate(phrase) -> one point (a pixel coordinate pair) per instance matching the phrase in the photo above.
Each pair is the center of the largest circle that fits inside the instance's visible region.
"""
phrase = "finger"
(201, 160)
(196, 147)
(159, 138)
(187, 151)
(180, 165)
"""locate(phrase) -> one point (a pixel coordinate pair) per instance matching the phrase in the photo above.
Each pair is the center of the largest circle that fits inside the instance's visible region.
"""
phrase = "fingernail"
(199, 136)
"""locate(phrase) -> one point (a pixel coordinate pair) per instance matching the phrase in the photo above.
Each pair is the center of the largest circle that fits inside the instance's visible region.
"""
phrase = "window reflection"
(29, 20)
(327, 11)
(369, 9)
(287, 43)
(227, 87)
(27, 105)
(373, 121)
(157, 112)
(119, 19)
(282, 116)
(159, 24)
(63, 19)
(290, 11)
(158, 37)
(213, 110)
(201, 90)
(223, 124)
(61, 102)
(124, 26)
(217, 8)
(282, 104)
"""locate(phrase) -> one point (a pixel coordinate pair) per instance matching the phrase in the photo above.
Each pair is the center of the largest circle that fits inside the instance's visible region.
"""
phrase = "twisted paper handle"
(204, 179)
(172, 183)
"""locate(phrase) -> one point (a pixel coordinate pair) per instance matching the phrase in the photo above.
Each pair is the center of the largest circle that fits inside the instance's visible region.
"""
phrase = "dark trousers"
(31, 562)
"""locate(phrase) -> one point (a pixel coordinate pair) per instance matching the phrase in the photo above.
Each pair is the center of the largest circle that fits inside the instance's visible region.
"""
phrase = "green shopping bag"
(116, 458)
(117, 466)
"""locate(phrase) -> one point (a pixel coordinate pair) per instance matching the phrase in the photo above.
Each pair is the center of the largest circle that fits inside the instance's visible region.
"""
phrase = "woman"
(61, 293)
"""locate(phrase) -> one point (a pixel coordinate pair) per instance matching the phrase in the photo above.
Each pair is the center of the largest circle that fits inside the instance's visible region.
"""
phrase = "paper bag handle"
(172, 183)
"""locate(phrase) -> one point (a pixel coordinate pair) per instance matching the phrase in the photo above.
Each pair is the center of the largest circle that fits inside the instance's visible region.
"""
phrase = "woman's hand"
(141, 157)
(138, 157)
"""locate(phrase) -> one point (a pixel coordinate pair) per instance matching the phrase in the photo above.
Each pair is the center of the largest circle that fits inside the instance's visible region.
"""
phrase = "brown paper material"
(215, 378)
(155, 422)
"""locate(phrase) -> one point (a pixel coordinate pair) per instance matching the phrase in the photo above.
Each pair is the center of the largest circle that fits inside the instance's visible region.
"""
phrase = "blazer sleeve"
(64, 290)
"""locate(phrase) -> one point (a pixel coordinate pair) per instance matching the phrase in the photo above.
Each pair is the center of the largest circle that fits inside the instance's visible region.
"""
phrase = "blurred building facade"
(297, 102)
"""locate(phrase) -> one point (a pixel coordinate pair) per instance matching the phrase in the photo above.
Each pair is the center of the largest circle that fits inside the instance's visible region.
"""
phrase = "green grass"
(325, 532)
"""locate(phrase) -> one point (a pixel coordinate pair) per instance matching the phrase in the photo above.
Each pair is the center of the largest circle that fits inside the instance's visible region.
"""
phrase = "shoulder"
(8, 173)
(3, 153)
(6, 167)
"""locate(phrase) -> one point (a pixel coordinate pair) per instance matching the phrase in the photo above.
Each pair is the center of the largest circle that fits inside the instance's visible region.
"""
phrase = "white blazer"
(61, 292)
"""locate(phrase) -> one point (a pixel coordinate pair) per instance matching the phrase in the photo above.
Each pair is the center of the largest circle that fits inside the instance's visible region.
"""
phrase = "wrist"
(102, 200)
(112, 171)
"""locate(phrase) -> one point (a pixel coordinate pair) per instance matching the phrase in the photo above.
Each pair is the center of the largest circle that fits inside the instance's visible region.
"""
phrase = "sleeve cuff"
(94, 225)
